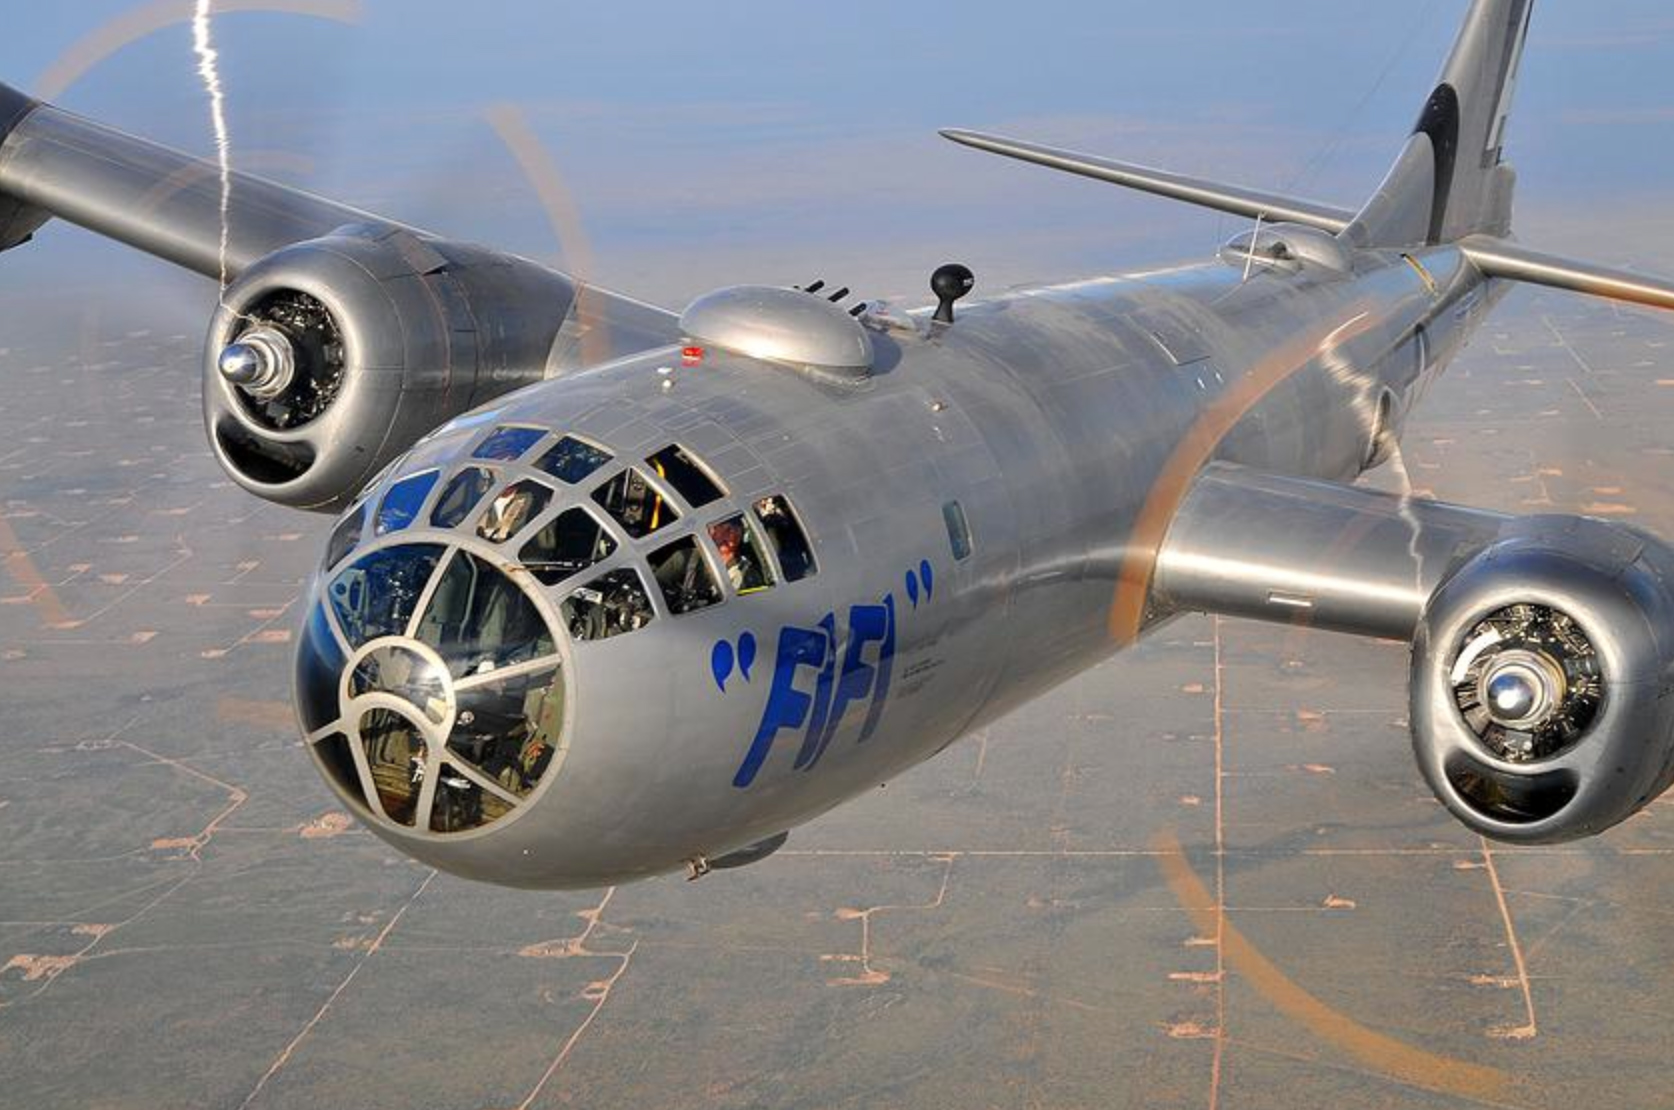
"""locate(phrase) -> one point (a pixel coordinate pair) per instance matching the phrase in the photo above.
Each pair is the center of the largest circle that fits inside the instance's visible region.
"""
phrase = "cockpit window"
(571, 461)
(610, 605)
(480, 621)
(448, 722)
(515, 506)
(339, 763)
(508, 444)
(462, 804)
(784, 532)
(346, 536)
(460, 496)
(685, 577)
(403, 673)
(635, 503)
(319, 668)
(741, 554)
(376, 596)
(403, 501)
(398, 757)
(688, 477)
(569, 544)
(508, 729)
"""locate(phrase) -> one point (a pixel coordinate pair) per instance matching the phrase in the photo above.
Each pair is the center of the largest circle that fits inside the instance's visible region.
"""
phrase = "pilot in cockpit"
(738, 553)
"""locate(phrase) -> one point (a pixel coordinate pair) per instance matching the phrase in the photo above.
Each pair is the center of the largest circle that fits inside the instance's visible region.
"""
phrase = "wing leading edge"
(1234, 199)
(146, 195)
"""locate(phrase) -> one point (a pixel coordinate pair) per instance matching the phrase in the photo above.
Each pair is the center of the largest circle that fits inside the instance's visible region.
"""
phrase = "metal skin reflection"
(785, 546)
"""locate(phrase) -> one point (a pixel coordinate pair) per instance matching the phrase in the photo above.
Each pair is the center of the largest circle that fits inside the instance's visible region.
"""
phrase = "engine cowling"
(329, 358)
(1540, 675)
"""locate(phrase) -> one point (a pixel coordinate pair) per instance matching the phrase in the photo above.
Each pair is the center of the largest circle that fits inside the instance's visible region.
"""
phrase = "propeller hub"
(1514, 695)
(1528, 682)
(261, 363)
(1523, 690)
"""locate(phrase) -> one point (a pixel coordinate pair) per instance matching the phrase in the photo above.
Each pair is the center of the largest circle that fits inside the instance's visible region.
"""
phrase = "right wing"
(1247, 543)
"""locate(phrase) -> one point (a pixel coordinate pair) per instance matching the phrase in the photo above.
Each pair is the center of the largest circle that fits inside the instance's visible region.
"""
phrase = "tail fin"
(1448, 186)
(1450, 180)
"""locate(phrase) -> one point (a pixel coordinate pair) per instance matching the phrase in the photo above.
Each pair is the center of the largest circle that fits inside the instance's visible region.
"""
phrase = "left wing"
(148, 196)
(342, 337)
(1234, 199)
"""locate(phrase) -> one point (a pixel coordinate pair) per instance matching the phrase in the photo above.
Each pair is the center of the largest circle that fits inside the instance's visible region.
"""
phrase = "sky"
(749, 140)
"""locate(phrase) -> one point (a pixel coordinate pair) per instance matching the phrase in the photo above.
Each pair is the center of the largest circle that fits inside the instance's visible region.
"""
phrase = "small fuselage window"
(508, 444)
(958, 530)
(685, 576)
(571, 461)
(610, 605)
(515, 506)
(346, 536)
(790, 543)
(403, 501)
(635, 503)
(569, 544)
(460, 496)
(690, 480)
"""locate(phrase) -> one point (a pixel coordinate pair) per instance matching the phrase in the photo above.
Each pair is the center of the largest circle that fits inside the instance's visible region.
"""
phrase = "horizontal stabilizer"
(1233, 199)
(1514, 262)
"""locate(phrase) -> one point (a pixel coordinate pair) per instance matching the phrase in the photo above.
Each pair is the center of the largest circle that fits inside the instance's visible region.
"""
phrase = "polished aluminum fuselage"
(1054, 416)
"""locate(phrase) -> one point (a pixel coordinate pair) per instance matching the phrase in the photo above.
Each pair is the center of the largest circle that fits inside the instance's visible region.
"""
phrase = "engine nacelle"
(329, 358)
(1540, 680)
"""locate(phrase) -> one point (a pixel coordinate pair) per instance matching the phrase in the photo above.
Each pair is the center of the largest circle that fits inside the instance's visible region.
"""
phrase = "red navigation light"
(691, 356)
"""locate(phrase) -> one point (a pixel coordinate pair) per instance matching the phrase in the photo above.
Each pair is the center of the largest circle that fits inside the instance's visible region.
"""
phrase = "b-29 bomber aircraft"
(615, 592)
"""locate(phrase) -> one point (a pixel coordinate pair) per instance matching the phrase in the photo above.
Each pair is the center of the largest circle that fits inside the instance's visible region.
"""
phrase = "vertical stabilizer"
(1450, 180)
